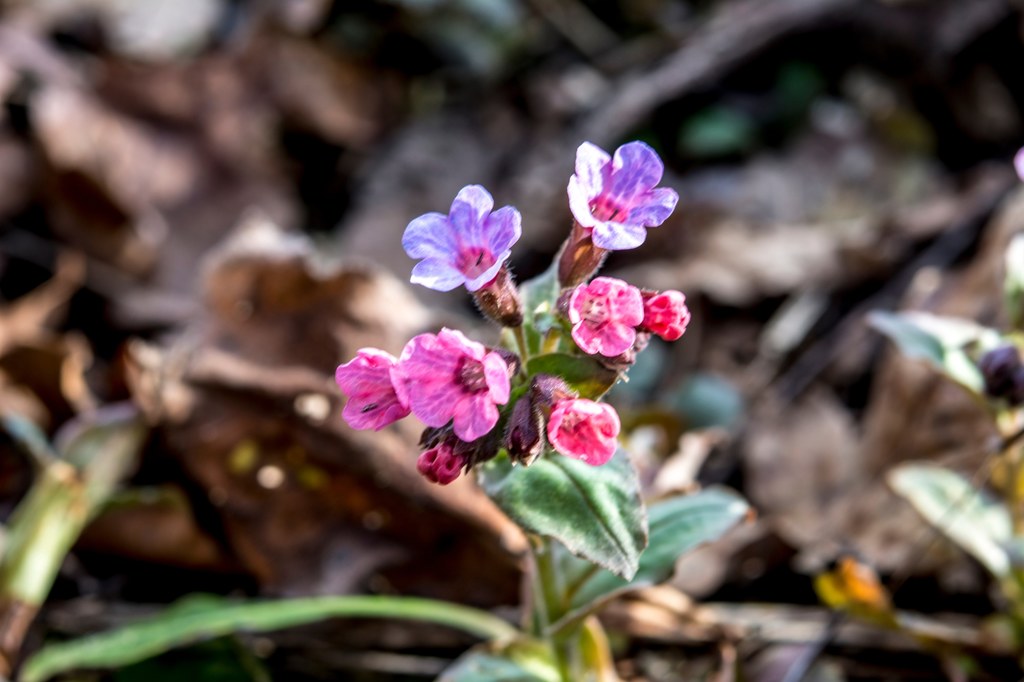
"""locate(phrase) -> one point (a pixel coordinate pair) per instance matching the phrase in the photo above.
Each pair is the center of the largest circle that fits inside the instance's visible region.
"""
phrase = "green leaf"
(69, 491)
(717, 131)
(677, 526)
(979, 525)
(103, 446)
(204, 617)
(705, 401)
(941, 341)
(596, 512)
(29, 437)
(521, 660)
(1013, 284)
(585, 375)
(539, 296)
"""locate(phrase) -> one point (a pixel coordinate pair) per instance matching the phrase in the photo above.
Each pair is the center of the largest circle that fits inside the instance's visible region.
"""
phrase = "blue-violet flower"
(468, 246)
(615, 197)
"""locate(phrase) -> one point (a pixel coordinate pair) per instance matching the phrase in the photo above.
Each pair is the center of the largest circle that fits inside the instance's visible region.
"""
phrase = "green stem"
(524, 349)
(548, 586)
(159, 634)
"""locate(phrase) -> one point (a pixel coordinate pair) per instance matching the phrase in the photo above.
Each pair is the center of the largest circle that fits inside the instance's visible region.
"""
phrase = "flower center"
(472, 261)
(595, 311)
(604, 207)
(470, 376)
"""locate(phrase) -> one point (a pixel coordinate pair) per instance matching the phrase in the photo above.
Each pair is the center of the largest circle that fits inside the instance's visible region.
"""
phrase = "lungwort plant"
(526, 418)
(985, 521)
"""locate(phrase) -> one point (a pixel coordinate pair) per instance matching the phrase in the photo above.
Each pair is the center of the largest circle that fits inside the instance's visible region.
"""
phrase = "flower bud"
(665, 314)
(499, 300)
(579, 257)
(546, 390)
(524, 436)
(1003, 374)
(440, 464)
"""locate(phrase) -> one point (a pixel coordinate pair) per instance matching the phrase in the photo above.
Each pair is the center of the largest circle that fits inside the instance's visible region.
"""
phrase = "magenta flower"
(1018, 163)
(666, 314)
(604, 316)
(445, 375)
(615, 197)
(584, 430)
(440, 464)
(366, 380)
(468, 246)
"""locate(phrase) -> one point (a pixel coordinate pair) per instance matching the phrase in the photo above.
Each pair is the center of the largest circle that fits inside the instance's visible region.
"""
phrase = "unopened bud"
(1003, 374)
(579, 257)
(499, 300)
(524, 436)
(547, 390)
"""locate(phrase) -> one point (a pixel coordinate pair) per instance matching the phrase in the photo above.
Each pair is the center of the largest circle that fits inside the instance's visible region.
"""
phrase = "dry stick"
(734, 34)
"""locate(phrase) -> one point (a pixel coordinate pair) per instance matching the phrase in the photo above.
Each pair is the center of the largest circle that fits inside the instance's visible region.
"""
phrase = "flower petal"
(470, 208)
(486, 276)
(579, 203)
(592, 171)
(614, 339)
(496, 375)
(436, 274)
(636, 168)
(430, 236)
(475, 416)
(502, 229)
(618, 236)
(654, 207)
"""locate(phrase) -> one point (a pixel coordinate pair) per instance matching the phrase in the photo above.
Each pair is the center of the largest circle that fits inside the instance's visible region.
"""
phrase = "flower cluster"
(479, 401)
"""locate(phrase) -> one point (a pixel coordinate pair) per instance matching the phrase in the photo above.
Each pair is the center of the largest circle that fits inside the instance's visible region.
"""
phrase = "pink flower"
(445, 375)
(615, 197)
(604, 316)
(440, 464)
(666, 314)
(1018, 163)
(366, 380)
(584, 430)
(467, 246)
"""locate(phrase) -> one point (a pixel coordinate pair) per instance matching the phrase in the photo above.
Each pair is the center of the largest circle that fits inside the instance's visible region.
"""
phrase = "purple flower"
(445, 375)
(615, 197)
(468, 246)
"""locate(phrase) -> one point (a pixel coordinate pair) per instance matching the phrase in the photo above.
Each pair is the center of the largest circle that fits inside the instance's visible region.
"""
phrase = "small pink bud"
(440, 464)
(604, 316)
(666, 314)
(584, 430)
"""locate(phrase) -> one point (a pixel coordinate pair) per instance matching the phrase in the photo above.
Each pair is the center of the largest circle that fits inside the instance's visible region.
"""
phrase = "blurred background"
(201, 210)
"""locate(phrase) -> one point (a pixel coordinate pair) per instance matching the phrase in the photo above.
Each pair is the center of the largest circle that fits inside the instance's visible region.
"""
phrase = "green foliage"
(520, 660)
(706, 401)
(717, 131)
(595, 512)
(204, 617)
(944, 342)
(76, 478)
(948, 501)
(584, 374)
(677, 526)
